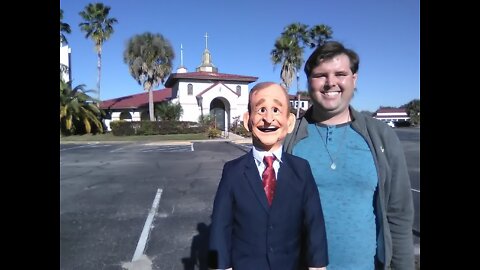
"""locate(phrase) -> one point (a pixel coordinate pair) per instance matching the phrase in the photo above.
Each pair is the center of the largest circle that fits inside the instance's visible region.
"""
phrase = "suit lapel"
(251, 173)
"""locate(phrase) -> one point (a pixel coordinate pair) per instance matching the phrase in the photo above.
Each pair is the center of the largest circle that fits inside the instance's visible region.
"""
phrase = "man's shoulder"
(371, 123)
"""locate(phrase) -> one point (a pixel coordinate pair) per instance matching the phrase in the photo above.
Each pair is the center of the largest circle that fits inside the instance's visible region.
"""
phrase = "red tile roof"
(137, 100)
(390, 116)
(213, 76)
(392, 110)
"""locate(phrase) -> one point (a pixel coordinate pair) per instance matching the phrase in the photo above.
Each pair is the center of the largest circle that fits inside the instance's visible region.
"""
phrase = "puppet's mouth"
(267, 129)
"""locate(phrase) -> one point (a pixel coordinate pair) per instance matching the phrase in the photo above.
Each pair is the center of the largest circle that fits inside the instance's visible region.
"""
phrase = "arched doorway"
(217, 112)
(125, 116)
(145, 116)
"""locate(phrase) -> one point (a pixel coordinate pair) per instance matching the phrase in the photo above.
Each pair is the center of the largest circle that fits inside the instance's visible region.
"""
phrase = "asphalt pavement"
(107, 191)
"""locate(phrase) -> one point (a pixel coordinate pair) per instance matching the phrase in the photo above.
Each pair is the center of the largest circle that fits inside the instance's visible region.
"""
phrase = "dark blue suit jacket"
(247, 234)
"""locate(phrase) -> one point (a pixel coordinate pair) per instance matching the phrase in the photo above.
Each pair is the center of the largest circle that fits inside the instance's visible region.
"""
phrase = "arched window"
(239, 90)
(190, 89)
(125, 116)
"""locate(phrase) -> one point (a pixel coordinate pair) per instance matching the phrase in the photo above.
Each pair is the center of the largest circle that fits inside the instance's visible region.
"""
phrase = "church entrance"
(217, 111)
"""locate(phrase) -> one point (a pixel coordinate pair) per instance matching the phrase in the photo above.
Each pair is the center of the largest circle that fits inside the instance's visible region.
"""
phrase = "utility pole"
(298, 98)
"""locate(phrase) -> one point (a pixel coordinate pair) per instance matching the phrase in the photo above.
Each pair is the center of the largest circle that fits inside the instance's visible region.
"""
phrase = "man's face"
(331, 84)
(270, 119)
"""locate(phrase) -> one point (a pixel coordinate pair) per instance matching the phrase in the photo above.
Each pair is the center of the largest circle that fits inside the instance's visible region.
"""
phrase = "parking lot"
(152, 202)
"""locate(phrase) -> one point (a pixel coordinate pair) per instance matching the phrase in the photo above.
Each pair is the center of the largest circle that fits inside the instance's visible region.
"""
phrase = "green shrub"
(126, 128)
(214, 133)
(122, 128)
(148, 128)
(239, 129)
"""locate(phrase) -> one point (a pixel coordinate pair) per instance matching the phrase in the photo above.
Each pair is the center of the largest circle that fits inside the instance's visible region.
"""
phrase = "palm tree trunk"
(150, 103)
(99, 67)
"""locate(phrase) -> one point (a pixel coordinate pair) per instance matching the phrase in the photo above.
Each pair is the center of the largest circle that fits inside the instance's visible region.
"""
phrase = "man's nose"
(331, 80)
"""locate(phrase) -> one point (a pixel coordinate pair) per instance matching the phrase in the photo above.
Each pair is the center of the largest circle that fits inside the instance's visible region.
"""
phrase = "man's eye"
(276, 110)
(262, 110)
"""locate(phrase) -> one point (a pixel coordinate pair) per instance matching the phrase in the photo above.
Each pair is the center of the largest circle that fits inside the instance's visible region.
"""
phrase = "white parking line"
(118, 149)
(416, 190)
(147, 227)
(75, 147)
(148, 150)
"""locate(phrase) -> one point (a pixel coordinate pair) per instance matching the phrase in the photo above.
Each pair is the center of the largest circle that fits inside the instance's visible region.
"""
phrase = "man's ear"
(291, 122)
(246, 118)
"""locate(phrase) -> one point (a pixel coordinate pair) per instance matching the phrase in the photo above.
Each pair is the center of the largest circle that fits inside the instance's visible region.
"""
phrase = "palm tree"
(288, 50)
(99, 28)
(149, 58)
(289, 47)
(319, 34)
(77, 110)
(64, 28)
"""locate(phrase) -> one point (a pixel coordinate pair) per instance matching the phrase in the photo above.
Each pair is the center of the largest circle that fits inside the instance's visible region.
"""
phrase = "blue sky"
(385, 34)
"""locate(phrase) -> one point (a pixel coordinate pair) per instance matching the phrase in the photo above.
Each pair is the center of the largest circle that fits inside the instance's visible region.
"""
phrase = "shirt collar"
(258, 154)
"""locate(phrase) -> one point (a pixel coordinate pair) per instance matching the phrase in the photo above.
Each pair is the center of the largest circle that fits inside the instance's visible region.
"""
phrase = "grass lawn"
(111, 137)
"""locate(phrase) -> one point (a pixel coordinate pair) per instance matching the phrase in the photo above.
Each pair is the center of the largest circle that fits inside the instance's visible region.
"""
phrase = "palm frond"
(64, 28)
(76, 106)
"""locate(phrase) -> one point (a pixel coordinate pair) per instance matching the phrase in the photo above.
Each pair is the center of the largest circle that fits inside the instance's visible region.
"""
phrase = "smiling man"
(359, 168)
(267, 198)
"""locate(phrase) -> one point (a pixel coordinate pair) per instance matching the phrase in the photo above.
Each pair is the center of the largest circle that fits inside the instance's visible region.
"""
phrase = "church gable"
(219, 89)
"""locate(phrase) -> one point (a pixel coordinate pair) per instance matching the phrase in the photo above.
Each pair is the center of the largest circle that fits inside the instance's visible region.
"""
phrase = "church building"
(200, 93)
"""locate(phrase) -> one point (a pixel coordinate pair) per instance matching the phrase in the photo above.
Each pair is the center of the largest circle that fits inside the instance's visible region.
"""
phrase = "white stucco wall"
(64, 59)
(191, 112)
(303, 104)
(135, 116)
(234, 105)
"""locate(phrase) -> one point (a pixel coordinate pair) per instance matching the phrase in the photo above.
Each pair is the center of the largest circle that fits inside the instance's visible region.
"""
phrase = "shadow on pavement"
(199, 250)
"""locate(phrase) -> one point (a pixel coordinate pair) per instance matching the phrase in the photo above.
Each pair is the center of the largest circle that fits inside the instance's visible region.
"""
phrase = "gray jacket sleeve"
(399, 205)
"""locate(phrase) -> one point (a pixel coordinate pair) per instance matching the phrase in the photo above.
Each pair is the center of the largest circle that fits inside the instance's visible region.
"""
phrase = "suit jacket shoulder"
(241, 161)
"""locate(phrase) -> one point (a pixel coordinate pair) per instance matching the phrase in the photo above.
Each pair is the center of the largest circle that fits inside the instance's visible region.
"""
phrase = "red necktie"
(268, 178)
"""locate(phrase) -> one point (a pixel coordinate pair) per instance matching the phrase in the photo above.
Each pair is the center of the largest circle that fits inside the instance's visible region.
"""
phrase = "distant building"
(304, 102)
(200, 93)
(65, 52)
(394, 115)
